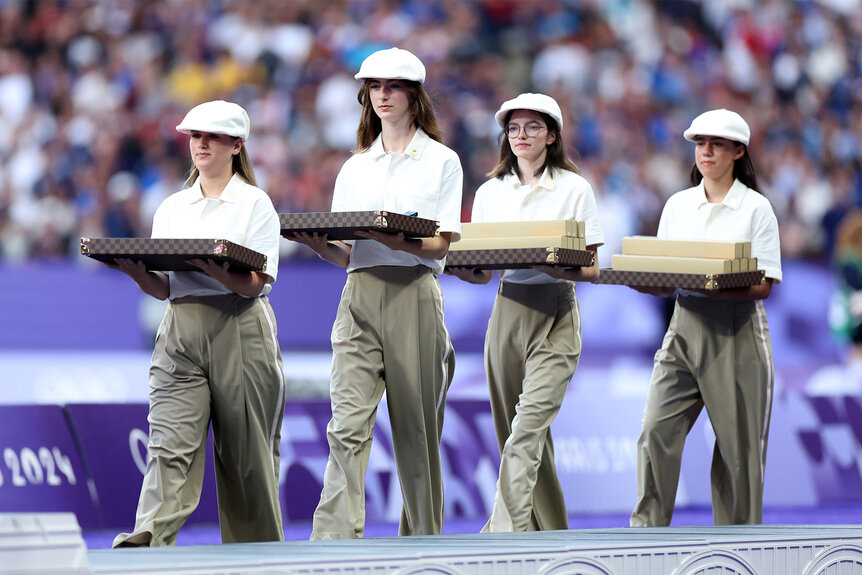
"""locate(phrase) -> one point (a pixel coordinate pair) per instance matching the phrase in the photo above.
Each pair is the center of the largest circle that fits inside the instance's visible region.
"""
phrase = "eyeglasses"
(532, 130)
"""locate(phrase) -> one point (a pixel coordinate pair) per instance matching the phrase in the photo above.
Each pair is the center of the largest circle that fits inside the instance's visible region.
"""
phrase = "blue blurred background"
(90, 92)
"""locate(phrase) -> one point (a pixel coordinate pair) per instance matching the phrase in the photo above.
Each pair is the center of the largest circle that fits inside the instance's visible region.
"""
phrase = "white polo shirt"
(743, 215)
(559, 195)
(243, 214)
(426, 178)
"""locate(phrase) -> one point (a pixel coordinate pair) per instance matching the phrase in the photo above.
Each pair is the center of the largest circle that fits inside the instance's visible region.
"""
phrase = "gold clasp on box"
(711, 283)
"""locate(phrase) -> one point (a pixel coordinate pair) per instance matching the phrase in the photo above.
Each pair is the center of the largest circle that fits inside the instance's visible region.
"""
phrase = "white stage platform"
(743, 550)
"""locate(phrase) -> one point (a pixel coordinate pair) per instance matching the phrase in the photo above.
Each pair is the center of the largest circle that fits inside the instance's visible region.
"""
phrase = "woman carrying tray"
(389, 334)
(717, 351)
(533, 342)
(216, 357)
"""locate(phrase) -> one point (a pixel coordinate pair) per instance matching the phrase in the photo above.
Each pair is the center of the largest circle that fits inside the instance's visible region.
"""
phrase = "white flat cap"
(217, 117)
(535, 102)
(720, 123)
(391, 64)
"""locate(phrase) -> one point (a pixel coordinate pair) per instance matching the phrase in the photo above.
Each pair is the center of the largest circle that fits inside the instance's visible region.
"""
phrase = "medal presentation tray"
(169, 254)
(519, 258)
(681, 280)
(344, 225)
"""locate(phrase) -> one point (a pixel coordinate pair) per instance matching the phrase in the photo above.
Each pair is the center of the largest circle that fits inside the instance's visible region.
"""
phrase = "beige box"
(625, 262)
(517, 242)
(651, 246)
(522, 229)
(752, 264)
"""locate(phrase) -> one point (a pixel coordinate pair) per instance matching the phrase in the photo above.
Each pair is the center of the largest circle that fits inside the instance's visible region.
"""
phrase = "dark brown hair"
(556, 157)
(743, 170)
(421, 110)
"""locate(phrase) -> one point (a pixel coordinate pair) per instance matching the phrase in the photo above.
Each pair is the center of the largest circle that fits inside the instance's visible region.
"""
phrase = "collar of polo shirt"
(414, 149)
(229, 194)
(546, 181)
(732, 200)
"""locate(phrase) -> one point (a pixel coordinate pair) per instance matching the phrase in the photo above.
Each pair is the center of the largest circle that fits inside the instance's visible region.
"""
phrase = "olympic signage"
(40, 466)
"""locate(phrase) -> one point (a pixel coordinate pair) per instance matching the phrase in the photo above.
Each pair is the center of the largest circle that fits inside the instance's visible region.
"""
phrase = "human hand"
(212, 268)
(135, 269)
(314, 240)
(391, 241)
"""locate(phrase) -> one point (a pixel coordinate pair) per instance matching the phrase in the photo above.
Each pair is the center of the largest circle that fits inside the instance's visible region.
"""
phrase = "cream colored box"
(522, 229)
(508, 243)
(632, 263)
(651, 246)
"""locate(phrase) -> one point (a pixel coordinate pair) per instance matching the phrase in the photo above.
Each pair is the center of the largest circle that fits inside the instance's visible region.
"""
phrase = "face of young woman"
(389, 99)
(715, 156)
(213, 152)
(528, 135)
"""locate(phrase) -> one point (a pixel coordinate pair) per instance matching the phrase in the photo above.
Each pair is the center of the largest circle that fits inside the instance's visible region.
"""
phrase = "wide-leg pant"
(532, 349)
(215, 358)
(389, 334)
(715, 353)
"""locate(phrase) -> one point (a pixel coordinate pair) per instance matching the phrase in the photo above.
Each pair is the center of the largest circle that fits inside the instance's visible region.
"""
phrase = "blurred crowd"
(90, 92)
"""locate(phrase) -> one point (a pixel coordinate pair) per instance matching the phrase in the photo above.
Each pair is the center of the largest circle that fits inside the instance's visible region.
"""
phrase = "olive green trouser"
(389, 334)
(532, 349)
(215, 358)
(716, 353)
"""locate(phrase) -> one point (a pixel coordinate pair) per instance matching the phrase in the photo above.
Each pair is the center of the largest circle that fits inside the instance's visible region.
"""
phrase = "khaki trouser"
(715, 353)
(389, 334)
(216, 358)
(532, 349)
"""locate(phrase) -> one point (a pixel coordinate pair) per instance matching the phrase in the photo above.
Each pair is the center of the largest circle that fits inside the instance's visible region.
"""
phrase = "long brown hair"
(556, 157)
(743, 170)
(421, 110)
(241, 164)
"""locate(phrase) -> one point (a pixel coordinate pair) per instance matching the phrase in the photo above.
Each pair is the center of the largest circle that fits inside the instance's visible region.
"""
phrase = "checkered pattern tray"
(517, 258)
(169, 254)
(343, 225)
(678, 280)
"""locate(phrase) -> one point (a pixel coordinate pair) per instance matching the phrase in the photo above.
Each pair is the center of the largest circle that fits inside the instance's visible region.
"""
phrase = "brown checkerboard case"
(169, 254)
(344, 225)
(679, 280)
(518, 258)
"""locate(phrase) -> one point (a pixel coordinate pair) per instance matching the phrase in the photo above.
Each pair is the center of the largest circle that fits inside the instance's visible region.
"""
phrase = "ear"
(237, 146)
(740, 151)
(552, 137)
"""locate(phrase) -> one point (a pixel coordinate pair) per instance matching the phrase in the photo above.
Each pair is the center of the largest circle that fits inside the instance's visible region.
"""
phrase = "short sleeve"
(449, 212)
(765, 244)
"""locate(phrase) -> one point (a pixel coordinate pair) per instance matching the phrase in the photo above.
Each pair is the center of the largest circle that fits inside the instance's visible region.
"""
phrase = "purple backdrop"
(113, 443)
(40, 467)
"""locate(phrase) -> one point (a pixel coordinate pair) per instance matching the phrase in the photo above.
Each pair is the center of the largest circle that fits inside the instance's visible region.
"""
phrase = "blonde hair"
(241, 165)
